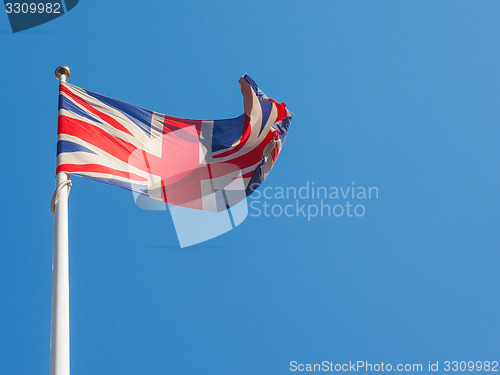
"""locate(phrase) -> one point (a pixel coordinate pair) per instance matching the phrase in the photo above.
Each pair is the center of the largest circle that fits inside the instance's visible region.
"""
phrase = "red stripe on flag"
(111, 121)
(281, 107)
(96, 136)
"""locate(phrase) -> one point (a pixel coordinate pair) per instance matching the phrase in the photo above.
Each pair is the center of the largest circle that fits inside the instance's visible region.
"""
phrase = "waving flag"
(203, 164)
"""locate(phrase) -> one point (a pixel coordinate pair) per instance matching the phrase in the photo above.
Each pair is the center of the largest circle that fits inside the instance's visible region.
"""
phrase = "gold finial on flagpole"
(62, 70)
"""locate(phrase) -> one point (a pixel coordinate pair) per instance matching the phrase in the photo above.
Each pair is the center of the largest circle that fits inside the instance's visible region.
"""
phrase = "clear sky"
(398, 95)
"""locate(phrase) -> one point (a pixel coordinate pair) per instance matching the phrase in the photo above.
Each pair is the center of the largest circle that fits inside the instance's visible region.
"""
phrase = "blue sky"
(398, 95)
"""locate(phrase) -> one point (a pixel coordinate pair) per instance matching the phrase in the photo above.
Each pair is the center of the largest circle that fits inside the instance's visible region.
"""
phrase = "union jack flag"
(202, 164)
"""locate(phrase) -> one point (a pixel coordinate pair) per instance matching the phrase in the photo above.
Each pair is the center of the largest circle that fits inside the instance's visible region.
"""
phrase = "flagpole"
(59, 331)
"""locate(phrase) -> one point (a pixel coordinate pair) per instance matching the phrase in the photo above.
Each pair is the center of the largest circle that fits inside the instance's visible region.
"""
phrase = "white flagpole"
(59, 331)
